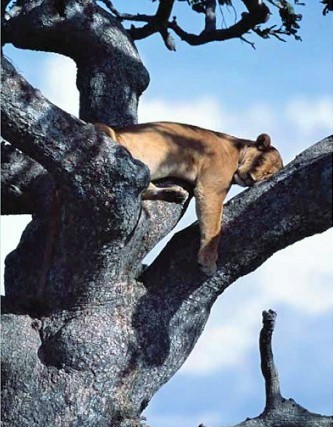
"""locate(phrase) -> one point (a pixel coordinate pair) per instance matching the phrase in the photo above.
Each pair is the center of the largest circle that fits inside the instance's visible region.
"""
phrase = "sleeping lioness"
(210, 161)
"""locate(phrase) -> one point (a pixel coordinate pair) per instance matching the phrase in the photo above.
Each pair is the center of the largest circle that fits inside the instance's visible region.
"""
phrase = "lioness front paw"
(207, 262)
(208, 267)
(209, 270)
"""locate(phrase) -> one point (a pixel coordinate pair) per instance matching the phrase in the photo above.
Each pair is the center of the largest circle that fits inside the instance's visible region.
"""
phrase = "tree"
(80, 315)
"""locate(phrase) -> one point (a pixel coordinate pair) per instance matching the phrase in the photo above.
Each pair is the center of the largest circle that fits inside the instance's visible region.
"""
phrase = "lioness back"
(170, 148)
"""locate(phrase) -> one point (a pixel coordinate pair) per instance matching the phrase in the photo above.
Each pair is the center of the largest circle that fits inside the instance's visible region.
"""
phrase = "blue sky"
(284, 89)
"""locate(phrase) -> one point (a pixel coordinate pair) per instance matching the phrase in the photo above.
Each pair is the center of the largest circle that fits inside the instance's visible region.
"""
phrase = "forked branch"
(257, 13)
(157, 23)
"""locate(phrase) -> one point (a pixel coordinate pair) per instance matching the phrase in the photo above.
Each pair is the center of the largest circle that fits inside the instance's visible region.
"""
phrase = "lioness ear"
(263, 141)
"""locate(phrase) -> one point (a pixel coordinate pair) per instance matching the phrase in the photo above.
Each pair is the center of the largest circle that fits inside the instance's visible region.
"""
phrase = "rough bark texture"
(87, 337)
(21, 180)
(94, 353)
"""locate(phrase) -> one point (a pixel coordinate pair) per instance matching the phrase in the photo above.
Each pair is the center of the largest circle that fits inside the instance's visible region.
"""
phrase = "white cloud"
(231, 332)
(208, 112)
(298, 277)
(225, 344)
(310, 115)
(58, 83)
(205, 112)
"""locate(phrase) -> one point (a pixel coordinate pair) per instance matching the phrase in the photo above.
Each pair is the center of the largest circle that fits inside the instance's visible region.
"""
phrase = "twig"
(127, 16)
(248, 42)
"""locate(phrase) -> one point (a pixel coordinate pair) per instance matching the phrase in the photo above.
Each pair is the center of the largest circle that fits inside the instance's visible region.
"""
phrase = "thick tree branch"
(21, 182)
(91, 339)
(83, 296)
(328, 6)
(93, 175)
(295, 204)
(86, 166)
(258, 13)
(65, 146)
(105, 95)
(210, 15)
(160, 218)
(40, 129)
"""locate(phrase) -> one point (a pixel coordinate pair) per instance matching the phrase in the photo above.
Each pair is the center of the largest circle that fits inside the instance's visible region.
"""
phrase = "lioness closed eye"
(210, 161)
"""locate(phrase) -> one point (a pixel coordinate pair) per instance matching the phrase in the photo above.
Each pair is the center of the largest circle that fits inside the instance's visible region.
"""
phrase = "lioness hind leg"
(173, 193)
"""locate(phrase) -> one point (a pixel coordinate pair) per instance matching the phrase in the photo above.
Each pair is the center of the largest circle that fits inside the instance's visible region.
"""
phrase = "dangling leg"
(209, 207)
(173, 193)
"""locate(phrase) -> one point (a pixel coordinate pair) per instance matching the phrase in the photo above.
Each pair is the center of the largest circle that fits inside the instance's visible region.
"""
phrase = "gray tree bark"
(88, 338)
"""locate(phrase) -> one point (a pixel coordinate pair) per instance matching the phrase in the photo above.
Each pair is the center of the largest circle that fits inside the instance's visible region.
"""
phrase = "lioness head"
(259, 162)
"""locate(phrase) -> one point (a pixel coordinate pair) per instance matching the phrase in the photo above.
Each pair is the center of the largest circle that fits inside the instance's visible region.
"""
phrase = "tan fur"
(210, 161)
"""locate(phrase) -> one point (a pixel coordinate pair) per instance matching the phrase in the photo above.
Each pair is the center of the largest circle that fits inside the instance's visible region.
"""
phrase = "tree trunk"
(88, 338)
(79, 254)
